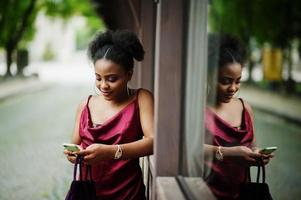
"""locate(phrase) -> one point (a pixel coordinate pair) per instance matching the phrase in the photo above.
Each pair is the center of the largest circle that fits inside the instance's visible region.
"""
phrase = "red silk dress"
(115, 179)
(226, 176)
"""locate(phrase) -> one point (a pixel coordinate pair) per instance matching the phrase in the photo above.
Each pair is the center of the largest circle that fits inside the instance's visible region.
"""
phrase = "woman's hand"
(71, 156)
(241, 154)
(265, 157)
(98, 152)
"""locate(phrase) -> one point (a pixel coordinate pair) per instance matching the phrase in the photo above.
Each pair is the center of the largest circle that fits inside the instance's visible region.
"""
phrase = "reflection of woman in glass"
(229, 126)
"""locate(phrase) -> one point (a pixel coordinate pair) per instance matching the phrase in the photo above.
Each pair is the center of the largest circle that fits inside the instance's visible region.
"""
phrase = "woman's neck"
(120, 99)
(221, 104)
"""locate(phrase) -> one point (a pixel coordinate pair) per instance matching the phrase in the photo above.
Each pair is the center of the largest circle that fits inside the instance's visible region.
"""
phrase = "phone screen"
(71, 147)
(268, 150)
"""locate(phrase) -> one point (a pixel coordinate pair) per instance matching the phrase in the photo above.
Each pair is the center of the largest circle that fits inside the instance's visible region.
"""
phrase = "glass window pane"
(248, 99)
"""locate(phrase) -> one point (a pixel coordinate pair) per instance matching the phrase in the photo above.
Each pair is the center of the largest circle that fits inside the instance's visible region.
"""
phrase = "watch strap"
(118, 152)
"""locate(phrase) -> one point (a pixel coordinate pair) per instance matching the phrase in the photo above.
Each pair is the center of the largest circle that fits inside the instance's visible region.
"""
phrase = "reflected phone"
(72, 147)
(268, 150)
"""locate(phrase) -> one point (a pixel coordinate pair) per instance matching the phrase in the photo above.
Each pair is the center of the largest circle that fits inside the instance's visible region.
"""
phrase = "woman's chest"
(233, 117)
(99, 114)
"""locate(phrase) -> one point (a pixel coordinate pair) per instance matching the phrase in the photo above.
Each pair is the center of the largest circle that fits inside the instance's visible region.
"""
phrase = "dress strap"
(242, 102)
(88, 99)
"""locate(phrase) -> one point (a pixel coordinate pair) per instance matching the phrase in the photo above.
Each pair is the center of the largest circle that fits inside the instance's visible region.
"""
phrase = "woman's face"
(228, 82)
(111, 79)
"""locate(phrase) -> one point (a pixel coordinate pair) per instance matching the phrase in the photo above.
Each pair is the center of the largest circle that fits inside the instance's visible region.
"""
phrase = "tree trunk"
(251, 63)
(9, 60)
(290, 83)
(250, 70)
(15, 38)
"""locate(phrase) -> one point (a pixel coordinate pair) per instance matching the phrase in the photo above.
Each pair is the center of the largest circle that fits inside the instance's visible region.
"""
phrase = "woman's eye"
(112, 78)
(225, 81)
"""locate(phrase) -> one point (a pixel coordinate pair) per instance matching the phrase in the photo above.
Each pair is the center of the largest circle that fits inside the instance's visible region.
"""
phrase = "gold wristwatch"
(118, 152)
(219, 154)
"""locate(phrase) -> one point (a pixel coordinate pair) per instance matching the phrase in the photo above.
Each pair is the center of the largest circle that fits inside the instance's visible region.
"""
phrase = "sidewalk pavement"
(285, 106)
(16, 86)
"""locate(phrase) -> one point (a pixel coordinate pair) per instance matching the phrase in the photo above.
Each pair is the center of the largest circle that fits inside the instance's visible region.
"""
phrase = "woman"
(115, 127)
(229, 126)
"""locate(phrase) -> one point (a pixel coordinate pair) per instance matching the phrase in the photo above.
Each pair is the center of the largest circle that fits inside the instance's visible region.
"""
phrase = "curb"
(286, 107)
(284, 116)
(18, 86)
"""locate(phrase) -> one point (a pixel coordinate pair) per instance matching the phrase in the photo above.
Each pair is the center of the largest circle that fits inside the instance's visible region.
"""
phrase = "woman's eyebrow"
(231, 78)
(107, 75)
(227, 77)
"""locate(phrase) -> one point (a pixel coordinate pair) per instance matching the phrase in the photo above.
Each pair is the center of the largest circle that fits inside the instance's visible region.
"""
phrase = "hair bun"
(100, 40)
(231, 42)
(128, 42)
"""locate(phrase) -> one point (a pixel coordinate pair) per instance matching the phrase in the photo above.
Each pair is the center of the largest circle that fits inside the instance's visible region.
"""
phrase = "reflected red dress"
(115, 179)
(226, 176)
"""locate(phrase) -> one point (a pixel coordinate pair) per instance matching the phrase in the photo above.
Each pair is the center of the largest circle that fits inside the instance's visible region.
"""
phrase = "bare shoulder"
(81, 105)
(144, 94)
(145, 97)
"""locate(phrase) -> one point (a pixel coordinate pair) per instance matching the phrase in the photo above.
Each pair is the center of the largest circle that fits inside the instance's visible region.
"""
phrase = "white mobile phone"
(268, 150)
(72, 147)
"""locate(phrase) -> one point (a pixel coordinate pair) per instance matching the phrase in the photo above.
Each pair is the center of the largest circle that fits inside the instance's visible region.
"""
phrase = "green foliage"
(76, 8)
(17, 19)
(277, 22)
(11, 18)
(235, 17)
(12, 13)
(68, 8)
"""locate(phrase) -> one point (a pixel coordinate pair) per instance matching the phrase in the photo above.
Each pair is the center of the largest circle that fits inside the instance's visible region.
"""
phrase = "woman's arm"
(143, 147)
(75, 139)
(75, 136)
(239, 154)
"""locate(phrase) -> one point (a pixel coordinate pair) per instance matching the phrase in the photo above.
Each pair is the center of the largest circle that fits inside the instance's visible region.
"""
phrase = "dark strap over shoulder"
(88, 99)
(242, 102)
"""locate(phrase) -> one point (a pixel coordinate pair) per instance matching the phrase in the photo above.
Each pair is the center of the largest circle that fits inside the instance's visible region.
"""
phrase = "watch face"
(118, 153)
(219, 155)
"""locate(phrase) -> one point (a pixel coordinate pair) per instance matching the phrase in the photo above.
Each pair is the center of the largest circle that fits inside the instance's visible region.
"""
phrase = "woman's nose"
(233, 87)
(104, 85)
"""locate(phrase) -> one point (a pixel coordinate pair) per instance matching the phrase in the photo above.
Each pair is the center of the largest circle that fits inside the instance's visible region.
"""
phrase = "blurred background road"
(36, 117)
(33, 128)
(283, 172)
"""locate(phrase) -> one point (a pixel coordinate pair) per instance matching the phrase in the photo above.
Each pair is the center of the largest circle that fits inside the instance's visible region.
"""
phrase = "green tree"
(235, 17)
(17, 20)
(16, 23)
(281, 27)
(72, 8)
(277, 22)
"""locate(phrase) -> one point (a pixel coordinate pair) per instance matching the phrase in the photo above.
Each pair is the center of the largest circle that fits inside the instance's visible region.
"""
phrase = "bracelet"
(118, 152)
(219, 154)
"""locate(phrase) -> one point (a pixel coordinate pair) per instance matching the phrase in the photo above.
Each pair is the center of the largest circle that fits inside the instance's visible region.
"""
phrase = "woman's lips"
(105, 93)
(229, 96)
